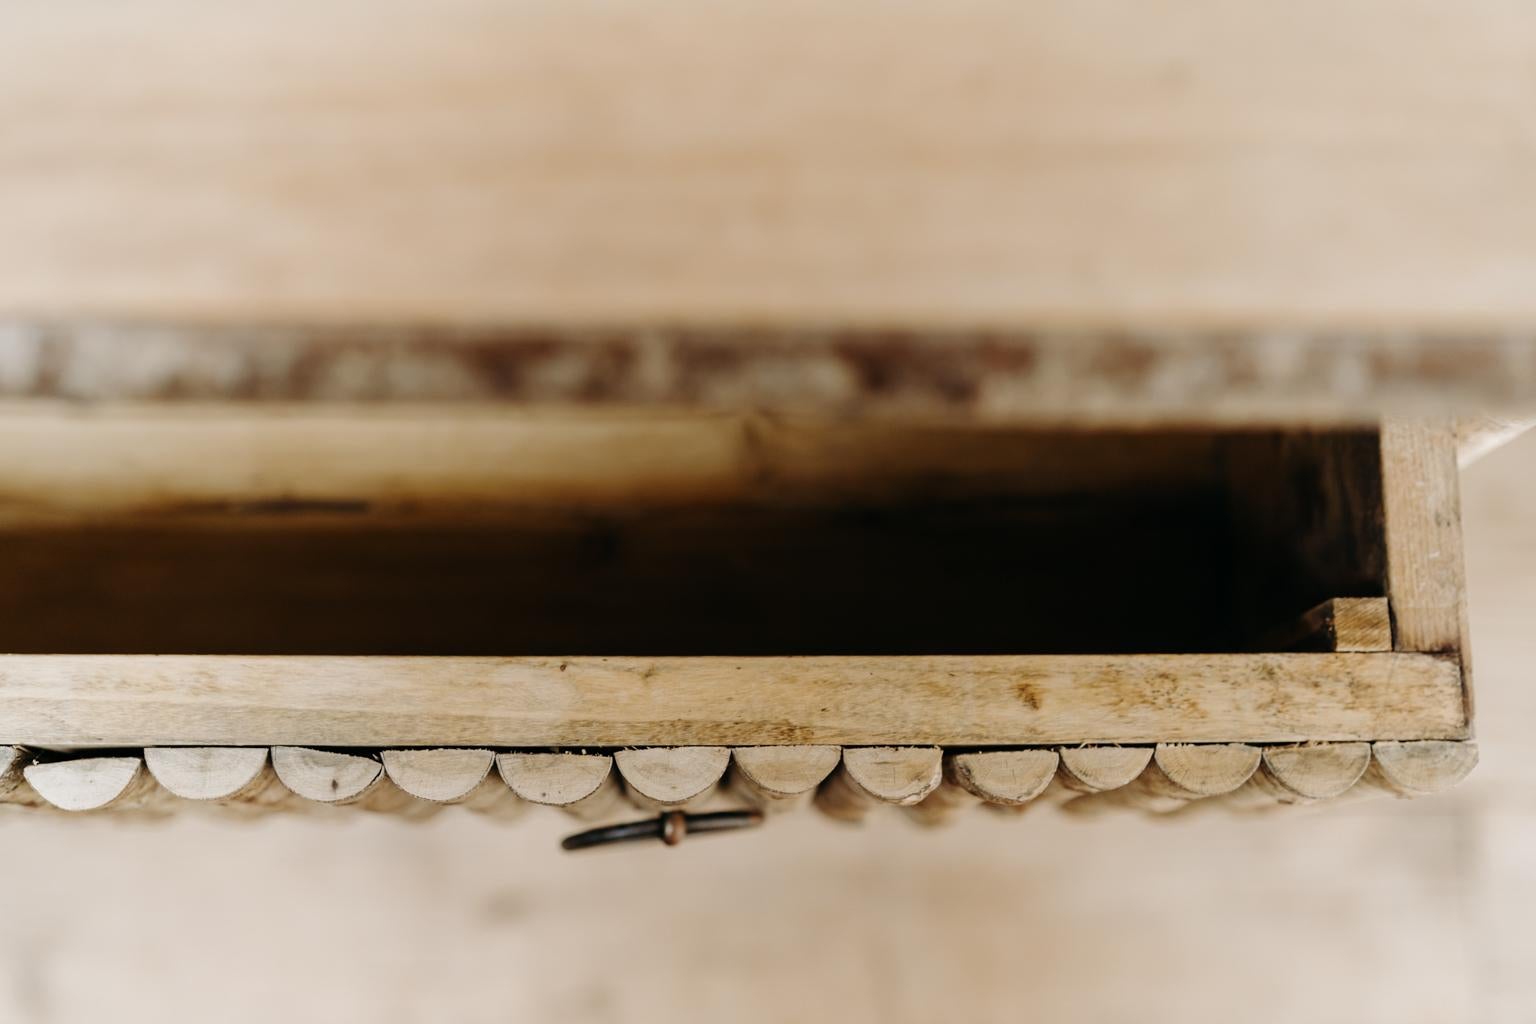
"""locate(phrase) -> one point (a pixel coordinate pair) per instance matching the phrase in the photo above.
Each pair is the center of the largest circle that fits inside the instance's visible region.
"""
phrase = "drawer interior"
(355, 531)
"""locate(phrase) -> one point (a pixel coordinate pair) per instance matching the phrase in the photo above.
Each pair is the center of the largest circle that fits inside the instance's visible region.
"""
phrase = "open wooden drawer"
(390, 598)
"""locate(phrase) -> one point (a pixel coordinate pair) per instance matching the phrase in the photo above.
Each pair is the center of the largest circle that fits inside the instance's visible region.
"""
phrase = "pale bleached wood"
(1419, 768)
(1098, 769)
(1315, 772)
(667, 778)
(1425, 577)
(452, 776)
(990, 163)
(1296, 775)
(780, 778)
(1352, 624)
(582, 785)
(1006, 779)
(14, 788)
(1176, 775)
(72, 701)
(339, 779)
(1086, 770)
(1477, 436)
(96, 784)
(871, 776)
(1361, 624)
(241, 777)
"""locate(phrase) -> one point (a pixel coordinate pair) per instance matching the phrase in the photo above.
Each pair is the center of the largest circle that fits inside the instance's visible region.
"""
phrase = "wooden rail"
(82, 701)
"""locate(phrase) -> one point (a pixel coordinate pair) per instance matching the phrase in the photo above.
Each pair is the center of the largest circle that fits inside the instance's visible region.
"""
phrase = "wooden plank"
(990, 163)
(1425, 576)
(113, 701)
(1356, 624)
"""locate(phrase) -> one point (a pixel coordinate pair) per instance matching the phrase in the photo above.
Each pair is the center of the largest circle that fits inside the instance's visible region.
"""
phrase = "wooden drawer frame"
(1357, 670)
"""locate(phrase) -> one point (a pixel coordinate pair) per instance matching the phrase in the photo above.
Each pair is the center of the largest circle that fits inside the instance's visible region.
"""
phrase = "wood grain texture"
(1176, 775)
(1084, 770)
(1316, 772)
(871, 776)
(332, 777)
(1096, 769)
(1006, 779)
(97, 784)
(14, 788)
(1297, 775)
(1425, 576)
(1419, 768)
(582, 785)
(238, 776)
(992, 162)
(667, 778)
(106, 701)
(780, 778)
(452, 776)
(928, 784)
(1354, 624)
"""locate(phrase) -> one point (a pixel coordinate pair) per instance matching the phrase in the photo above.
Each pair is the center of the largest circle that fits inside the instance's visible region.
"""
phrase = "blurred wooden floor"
(1380, 912)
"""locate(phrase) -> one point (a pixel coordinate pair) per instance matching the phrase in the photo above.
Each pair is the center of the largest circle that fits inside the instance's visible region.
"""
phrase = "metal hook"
(669, 828)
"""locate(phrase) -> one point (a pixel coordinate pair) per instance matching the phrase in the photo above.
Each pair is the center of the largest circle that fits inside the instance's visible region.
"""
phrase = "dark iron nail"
(669, 828)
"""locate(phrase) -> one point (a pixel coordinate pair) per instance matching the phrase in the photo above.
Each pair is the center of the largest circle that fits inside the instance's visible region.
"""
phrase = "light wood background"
(1377, 912)
(1176, 161)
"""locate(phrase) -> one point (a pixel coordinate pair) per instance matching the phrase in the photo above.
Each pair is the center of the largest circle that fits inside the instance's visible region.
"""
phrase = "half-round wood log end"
(1318, 772)
(90, 783)
(895, 775)
(667, 777)
(1421, 767)
(1100, 769)
(784, 773)
(12, 761)
(207, 773)
(326, 776)
(557, 780)
(1207, 769)
(444, 776)
(1009, 777)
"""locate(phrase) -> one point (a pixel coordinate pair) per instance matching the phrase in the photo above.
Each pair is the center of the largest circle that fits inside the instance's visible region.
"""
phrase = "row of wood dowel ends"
(844, 783)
